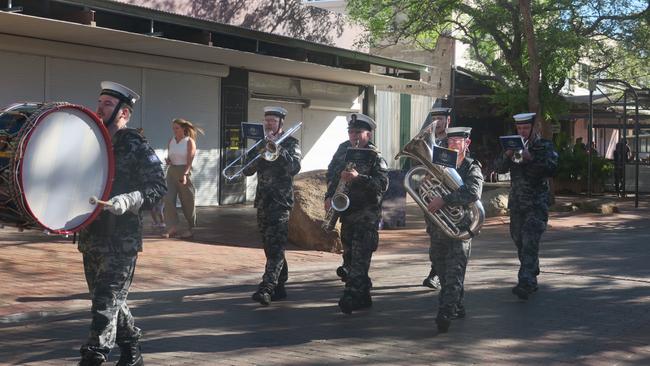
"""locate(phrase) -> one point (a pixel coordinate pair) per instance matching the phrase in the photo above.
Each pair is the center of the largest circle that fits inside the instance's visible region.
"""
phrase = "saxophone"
(429, 180)
(340, 200)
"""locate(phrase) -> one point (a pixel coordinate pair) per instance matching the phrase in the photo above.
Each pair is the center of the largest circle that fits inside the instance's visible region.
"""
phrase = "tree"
(529, 48)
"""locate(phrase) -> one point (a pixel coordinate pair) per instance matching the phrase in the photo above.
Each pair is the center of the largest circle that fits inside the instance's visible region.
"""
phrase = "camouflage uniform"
(528, 204)
(274, 199)
(621, 157)
(433, 280)
(449, 256)
(111, 243)
(360, 221)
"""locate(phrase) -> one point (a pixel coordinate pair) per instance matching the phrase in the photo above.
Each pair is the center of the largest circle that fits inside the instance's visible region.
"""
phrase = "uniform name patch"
(153, 158)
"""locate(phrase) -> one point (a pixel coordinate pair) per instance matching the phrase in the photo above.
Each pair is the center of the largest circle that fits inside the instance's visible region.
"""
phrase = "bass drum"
(53, 158)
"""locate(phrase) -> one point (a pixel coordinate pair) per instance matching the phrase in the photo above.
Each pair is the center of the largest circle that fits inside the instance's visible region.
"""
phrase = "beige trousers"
(184, 192)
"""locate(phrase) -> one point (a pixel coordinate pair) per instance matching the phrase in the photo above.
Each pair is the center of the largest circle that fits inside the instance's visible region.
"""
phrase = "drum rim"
(111, 166)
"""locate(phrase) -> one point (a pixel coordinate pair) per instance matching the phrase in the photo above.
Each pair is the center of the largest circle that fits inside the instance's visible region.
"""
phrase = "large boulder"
(307, 215)
(495, 201)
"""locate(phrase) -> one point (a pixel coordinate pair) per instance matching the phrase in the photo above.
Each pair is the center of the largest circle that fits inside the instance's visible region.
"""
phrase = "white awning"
(215, 59)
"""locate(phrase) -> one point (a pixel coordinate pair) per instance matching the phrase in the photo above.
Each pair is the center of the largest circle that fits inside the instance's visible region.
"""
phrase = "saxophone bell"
(340, 202)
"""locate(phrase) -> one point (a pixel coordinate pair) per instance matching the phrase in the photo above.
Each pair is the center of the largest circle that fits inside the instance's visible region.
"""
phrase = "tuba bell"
(429, 180)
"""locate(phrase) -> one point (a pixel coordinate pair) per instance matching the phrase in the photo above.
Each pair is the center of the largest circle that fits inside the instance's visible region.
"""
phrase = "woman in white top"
(182, 149)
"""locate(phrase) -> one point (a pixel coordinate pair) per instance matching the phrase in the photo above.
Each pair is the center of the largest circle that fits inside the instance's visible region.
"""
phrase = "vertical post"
(589, 134)
(404, 122)
(452, 99)
(624, 136)
(637, 160)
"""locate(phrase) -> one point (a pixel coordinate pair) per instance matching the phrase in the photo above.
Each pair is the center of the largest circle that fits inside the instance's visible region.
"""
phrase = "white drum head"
(66, 160)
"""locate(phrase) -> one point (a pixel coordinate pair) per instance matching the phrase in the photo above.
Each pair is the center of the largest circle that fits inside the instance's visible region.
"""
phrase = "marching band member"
(359, 223)
(274, 199)
(449, 256)
(110, 245)
(441, 116)
(529, 198)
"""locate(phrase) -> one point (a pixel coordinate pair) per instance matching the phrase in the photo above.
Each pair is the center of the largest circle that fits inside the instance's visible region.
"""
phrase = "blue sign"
(254, 131)
(444, 157)
(513, 142)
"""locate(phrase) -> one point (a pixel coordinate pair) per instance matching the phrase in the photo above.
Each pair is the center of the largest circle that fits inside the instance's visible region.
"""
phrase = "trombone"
(269, 150)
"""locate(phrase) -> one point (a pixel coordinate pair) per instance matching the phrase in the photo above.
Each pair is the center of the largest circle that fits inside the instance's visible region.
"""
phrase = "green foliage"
(612, 34)
(573, 163)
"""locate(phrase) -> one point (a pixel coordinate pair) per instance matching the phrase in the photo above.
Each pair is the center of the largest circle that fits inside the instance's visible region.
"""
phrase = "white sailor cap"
(360, 120)
(459, 132)
(120, 92)
(275, 111)
(524, 118)
(440, 111)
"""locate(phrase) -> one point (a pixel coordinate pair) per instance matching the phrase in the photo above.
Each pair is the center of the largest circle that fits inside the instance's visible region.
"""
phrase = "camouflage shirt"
(275, 178)
(137, 168)
(365, 192)
(470, 191)
(528, 179)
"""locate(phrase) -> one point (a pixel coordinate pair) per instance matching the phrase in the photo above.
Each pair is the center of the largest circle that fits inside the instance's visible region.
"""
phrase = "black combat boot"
(443, 321)
(279, 293)
(263, 294)
(523, 290)
(350, 302)
(459, 313)
(130, 354)
(365, 301)
(520, 291)
(91, 357)
(432, 280)
(343, 273)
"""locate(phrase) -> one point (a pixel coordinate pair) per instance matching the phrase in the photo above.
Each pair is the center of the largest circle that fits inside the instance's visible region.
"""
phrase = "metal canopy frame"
(626, 89)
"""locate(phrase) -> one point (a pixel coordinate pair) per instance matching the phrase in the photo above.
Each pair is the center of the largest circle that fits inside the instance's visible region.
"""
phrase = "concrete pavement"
(192, 299)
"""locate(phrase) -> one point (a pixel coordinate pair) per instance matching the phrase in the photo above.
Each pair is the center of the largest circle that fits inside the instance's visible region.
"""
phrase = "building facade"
(214, 74)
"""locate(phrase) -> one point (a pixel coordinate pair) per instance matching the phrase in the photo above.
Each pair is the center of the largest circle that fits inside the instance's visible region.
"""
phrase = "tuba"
(428, 180)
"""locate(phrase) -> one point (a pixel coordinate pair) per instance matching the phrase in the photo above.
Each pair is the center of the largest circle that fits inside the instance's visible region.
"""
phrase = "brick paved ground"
(193, 299)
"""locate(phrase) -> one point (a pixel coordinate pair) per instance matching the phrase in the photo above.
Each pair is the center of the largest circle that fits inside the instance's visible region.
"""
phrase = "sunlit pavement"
(192, 299)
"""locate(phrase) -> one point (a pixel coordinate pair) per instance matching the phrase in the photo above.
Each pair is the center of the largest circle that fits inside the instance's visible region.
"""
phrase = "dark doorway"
(234, 101)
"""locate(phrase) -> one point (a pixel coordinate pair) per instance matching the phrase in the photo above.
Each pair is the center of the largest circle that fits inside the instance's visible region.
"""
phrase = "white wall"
(388, 112)
(420, 109)
(23, 78)
(196, 98)
(388, 126)
(38, 76)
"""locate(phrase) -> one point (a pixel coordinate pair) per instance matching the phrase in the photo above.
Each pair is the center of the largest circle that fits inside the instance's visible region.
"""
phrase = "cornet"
(270, 151)
(518, 155)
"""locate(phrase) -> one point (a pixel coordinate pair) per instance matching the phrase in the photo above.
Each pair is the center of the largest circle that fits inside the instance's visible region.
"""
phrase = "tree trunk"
(534, 68)
(534, 77)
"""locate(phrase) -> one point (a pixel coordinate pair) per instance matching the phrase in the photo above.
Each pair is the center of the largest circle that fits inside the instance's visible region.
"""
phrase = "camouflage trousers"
(273, 223)
(619, 178)
(449, 258)
(109, 277)
(359, 240)
(526, 229)
(431, 230)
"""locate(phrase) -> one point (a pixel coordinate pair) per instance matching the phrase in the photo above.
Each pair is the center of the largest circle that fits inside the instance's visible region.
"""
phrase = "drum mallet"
(96, 201)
